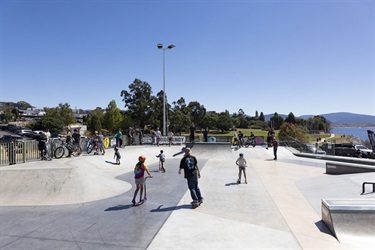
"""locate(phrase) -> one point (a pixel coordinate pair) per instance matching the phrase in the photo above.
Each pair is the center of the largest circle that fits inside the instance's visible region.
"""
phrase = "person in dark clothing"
(275, 146)
(205, 135)
(192, 131)
(191, 173)
(42, 145)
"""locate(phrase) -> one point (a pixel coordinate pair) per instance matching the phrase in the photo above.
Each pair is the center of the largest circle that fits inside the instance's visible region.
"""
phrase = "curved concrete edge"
(40, 186)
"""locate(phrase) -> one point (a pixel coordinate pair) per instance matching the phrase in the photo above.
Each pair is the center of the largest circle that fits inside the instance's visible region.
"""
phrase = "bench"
(350, 217)
(335, 167)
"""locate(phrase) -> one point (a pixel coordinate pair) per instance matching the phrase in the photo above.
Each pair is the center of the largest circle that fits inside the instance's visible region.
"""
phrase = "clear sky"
(301, 56)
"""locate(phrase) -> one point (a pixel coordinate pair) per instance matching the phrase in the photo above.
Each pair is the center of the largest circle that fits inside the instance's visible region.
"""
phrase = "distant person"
(275, 146)
(131, 136)
(189, 164)
(192, 133)
(42, 145)
(139, 177)
(205, 135)
(117, 156)
(118, 137)
(235, 137)
(242, 164)
(161, 157)
(76, 137)
(101, 143)
(240, 138)
(157, 135)
(170, 137)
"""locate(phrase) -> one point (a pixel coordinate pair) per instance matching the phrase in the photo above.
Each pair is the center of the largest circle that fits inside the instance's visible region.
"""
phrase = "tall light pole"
(160, 46)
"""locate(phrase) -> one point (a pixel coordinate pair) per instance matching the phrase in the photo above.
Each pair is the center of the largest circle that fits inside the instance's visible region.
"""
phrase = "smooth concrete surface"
(85, 202)
(335, 167)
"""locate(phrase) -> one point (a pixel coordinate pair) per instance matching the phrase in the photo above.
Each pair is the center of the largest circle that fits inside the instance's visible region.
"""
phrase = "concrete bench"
(348, 218)
(335, 167)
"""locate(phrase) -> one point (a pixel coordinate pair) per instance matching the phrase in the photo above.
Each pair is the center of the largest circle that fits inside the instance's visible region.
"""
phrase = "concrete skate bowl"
(57, 186)
(206, 150)
(350, 220)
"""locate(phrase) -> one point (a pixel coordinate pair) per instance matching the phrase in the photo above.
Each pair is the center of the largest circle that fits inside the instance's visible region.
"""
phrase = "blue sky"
(306, 57)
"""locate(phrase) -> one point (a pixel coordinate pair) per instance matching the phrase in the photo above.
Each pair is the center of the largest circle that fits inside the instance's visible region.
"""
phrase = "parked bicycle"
(90, 145)
(250, 142)
(74, 150)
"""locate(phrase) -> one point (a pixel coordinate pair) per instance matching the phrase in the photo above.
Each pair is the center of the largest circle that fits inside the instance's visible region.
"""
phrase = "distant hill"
(343, 118)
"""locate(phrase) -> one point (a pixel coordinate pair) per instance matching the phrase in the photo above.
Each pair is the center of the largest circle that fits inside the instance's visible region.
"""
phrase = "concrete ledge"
(370, 162)
(347, 218)
(335, 167)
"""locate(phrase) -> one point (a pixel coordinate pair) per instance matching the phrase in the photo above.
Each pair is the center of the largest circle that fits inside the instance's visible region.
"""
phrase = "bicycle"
(90, 145)
(60, 150)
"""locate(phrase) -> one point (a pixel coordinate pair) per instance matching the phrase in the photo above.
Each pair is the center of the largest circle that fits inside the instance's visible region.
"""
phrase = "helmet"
(75, 130)
(142, 158)
(241, 154)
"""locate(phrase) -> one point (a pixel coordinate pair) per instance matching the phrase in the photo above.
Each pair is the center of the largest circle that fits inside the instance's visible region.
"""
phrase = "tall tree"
(291, 118)
(112, 117)
(95, 120)
(225, 121)
(137, 101)
(276, 121)
(197, 113)
(261, 117)
(66, 113)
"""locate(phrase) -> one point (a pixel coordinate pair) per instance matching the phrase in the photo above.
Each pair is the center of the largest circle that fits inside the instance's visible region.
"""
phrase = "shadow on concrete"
(110, 162)
(119, 207)
(231, 184)
(169, 209)
(323, 228)
(181, 152)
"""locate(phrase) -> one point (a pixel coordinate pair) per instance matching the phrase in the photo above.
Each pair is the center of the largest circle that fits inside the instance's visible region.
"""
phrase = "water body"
(360, 132)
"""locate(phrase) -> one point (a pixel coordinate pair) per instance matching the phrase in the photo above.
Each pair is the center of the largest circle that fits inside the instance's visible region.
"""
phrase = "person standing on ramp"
(191, 172)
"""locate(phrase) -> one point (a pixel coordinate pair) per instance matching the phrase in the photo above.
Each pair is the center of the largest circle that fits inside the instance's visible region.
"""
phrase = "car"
(10, 138)
(364, 152)
(25, 132)
(310, 148)
(339, 149)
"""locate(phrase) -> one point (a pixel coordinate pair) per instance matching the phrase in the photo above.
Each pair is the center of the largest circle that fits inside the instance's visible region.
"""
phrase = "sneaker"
(133, 201)
(245, 182)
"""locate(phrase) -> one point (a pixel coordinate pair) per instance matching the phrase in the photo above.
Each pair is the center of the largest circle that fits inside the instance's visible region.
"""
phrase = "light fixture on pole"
(160, 46)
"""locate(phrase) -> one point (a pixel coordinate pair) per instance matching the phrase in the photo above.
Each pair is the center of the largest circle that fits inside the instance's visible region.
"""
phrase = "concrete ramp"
(46, 185)
(350, 219)
(206, 150)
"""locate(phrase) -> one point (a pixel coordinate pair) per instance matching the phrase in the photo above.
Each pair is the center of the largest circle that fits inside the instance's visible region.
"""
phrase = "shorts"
(241, 168)
(140, 181)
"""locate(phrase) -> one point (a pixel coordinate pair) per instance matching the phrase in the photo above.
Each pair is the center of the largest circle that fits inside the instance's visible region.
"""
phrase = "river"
(360, 132)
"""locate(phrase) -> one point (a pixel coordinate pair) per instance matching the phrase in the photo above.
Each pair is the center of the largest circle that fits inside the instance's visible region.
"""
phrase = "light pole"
(160, 46)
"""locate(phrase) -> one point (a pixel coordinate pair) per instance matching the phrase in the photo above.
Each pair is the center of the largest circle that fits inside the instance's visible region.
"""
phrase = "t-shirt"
(76, 138)
(188, 163)
(241, 162)
(162, 157)
(157, 133)
(139, 170)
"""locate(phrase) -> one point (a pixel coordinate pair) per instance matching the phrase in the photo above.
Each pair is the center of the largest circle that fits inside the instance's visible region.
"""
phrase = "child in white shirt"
(241, 163)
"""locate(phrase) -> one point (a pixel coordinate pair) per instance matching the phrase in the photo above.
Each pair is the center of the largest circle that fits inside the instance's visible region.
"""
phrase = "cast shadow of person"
(169, 209)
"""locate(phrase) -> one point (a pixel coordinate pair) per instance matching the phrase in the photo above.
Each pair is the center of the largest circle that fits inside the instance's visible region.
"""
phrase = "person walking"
(240, 139)
(192, 131)
(139, 177)
(205, 135)
(242, 164)
(170, 137)
(189, 164)
(275, 146)
(118, 137)
(161, 157)
(157, 134)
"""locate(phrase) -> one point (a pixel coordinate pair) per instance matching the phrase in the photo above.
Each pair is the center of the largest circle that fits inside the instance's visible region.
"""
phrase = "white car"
(24, 132)
(364, 152)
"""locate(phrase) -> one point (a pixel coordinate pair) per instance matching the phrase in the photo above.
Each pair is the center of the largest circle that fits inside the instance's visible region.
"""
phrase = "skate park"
(85, 203)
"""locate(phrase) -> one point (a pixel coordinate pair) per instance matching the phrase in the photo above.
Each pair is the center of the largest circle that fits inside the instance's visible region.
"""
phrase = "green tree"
(112, 117)
(197, 113)
(179, 121)
(276, 121)
(95, 120)
(261, 117)
(66, 114)
(291, 118)
(137, 101)
(7, 114)
(24, 105)
(225, 121)
(210, 120)
(288, 130)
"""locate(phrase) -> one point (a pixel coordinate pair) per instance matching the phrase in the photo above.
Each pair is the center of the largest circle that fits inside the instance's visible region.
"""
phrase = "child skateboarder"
(117, 156)
(161, 157)
(139, 176)
(241, 163)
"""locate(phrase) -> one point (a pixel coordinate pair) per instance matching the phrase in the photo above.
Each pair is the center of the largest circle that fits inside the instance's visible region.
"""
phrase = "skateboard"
(195, 204)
